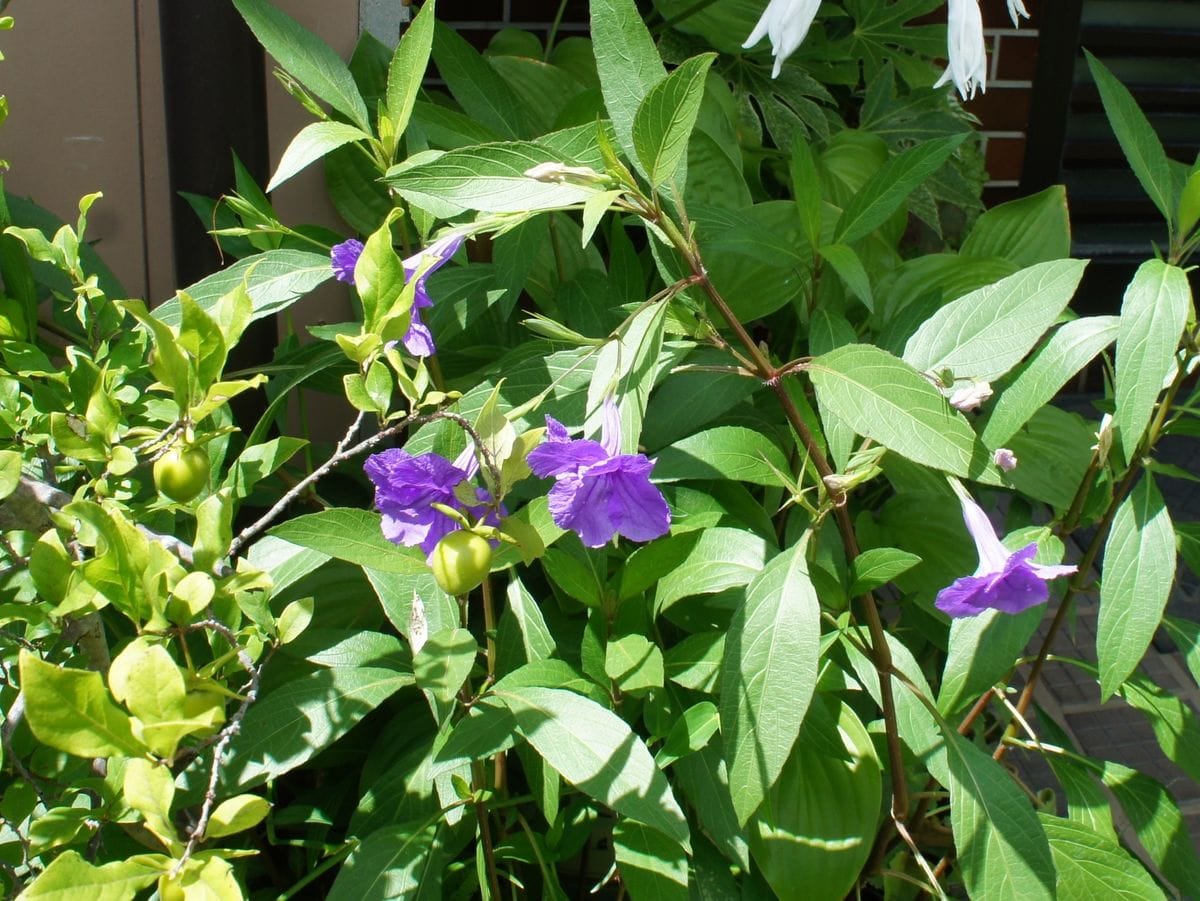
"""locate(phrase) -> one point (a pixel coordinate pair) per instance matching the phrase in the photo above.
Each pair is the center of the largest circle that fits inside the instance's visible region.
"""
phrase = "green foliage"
(777, 289)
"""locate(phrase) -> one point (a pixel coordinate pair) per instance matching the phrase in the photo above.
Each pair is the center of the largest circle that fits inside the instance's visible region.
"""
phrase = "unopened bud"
(1104, 439)
(970, 396)
(1005, 459)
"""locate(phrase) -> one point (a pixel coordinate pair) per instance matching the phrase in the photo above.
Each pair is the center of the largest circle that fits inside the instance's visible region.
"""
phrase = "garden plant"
(699, 490)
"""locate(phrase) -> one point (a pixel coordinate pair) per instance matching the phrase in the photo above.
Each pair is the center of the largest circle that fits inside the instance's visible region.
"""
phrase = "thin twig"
(231, 729)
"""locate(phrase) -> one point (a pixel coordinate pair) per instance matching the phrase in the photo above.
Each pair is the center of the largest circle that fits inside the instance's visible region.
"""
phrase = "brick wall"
(1003, 111)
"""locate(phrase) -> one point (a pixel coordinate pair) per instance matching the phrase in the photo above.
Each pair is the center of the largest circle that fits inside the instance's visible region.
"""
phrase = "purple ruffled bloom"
(599, 493)
(1006, 580)
(344, 257)
(418, 340)
(406, 487)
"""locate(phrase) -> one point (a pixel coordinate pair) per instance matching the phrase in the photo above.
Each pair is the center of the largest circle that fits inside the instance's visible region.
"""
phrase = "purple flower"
(344, 258)
(418, 340)
(406, 487)
(599, 493)
(1008, 581)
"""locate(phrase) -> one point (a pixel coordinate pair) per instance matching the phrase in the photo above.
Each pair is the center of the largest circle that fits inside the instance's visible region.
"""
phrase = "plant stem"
(880, 652)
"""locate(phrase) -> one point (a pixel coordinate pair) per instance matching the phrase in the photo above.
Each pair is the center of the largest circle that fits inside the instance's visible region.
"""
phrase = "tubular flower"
(418, 340)
(407, 487)
(1016, 12)
(965, 49)
(1006, 580)
(599, 493)
(786, 22)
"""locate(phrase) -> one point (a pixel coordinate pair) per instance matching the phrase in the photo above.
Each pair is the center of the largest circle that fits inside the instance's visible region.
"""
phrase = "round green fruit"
(460, 562)
(181, 473)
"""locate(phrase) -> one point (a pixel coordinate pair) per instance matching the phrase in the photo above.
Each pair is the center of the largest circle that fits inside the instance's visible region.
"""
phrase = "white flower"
(964, 41)
(787, 23)
(1017, 9)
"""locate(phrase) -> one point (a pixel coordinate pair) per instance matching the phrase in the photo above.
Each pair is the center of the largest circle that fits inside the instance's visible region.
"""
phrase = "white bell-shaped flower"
(786, 22)
(965, 48)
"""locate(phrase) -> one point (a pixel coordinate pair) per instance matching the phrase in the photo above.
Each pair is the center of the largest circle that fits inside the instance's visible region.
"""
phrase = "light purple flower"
(1006, 580)
(970, 396)
(418, 340)
(599, 493)
(406, 487)
(1005, 459)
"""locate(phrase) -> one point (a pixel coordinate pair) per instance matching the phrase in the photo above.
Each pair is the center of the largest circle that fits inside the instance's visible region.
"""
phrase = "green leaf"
(490, 178)
(442, 666)
(594, 750)
(806, 185)
(523, 635)
(1160, 828)
(850, 270)
(716, 559)
(70, 710)
(1038, 380)
(275, 280)
(627, 63)
(703, 778)
(477, 86)
(306, 57)
(887, 189)
(771, 652)
(237, 814)
(634, 663)
(728, 452)
(352, 535)
(1029, 230)
(984, 334)
(288, 726)
(665, 118)
(690, 733)
(10, 472)
(1139, 569)
(1139, 143)
(1091, 866)
(626, 370)
(256, 463)
(1002, 849)
(652, 866)
(1174, 722)
(885, 399)
(69, 876)
(1153, 315)
(982, 650)
(407, 69)
(878, 566)
(313, 142)
(388, 864)
(816, 825)
(695, 662)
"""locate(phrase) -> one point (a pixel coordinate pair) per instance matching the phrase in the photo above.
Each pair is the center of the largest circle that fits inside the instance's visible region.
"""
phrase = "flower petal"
(992, 554)
(557, 454)
(418, 340)
(578, 504)
(635, 506)
(344, 257)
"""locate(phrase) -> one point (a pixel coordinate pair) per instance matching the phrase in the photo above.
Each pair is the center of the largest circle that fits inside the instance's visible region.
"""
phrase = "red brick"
(1005, 158)
(1017, 57)
(1002, 109)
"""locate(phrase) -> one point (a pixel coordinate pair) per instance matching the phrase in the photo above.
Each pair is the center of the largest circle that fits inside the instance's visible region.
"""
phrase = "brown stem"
(485, 831)
(880, 652)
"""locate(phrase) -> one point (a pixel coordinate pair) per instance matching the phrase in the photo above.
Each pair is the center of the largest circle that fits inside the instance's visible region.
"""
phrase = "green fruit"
(460, 561)
(181, 474)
